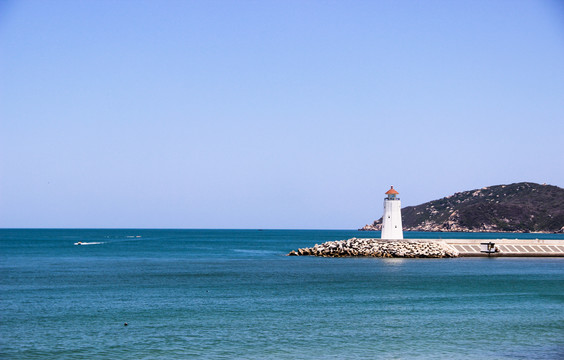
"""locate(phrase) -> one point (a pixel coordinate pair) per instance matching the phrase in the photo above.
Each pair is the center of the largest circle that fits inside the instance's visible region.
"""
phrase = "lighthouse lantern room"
(391, 221)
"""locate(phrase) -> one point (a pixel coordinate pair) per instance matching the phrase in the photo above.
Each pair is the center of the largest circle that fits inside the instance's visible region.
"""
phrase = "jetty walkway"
(435, 248)
(509, 247)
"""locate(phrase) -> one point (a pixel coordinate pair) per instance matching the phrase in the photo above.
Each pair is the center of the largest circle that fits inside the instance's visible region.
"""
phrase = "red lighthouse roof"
(392, 191)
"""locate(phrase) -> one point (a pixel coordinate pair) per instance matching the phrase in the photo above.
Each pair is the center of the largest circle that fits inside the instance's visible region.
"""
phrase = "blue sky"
(270, 114)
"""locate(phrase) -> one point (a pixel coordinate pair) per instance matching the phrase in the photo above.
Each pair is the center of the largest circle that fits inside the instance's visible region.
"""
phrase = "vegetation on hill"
(519, 207)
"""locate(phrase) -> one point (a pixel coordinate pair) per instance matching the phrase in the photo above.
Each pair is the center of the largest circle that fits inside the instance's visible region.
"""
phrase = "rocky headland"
(519, 207)
(380, 248)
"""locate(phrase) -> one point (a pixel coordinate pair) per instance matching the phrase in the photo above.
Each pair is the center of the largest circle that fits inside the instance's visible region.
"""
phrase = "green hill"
(519, 207)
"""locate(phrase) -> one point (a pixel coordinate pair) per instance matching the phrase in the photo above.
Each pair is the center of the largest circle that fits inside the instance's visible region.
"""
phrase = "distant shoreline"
(470, 231)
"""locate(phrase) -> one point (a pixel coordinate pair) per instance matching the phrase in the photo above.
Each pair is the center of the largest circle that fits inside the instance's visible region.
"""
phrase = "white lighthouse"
(391, 221)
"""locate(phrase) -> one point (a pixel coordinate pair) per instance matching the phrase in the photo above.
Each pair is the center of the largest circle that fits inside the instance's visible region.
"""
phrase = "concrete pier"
(435, 248)
(509, 247)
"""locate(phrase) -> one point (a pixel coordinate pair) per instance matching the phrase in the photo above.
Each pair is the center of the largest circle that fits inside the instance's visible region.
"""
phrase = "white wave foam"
(252, 251)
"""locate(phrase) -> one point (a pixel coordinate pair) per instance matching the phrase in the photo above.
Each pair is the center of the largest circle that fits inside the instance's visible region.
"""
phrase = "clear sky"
(270, 114)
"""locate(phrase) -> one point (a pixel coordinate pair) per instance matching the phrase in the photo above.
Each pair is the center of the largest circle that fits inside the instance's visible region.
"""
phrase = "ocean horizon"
(233, 293)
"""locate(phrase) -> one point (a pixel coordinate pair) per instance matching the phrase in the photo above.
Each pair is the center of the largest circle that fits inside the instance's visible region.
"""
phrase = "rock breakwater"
(379, 248)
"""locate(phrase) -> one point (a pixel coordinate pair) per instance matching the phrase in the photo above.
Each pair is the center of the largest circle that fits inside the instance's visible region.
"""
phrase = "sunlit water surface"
(233, 294)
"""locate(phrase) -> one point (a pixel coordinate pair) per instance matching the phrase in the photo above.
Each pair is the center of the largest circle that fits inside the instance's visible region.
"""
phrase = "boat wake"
(88, 243)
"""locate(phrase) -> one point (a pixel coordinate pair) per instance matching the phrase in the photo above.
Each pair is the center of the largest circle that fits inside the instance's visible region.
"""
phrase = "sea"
(234, 294)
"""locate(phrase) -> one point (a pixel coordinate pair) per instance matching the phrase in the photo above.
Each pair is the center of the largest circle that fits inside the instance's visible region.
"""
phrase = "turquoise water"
(232, 294)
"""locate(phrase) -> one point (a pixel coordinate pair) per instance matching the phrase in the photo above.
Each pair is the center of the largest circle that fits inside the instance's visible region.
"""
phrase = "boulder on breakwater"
(380, 248)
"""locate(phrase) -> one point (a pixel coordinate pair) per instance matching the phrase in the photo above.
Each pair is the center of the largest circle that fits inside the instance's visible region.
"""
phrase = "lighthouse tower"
(391, 221)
